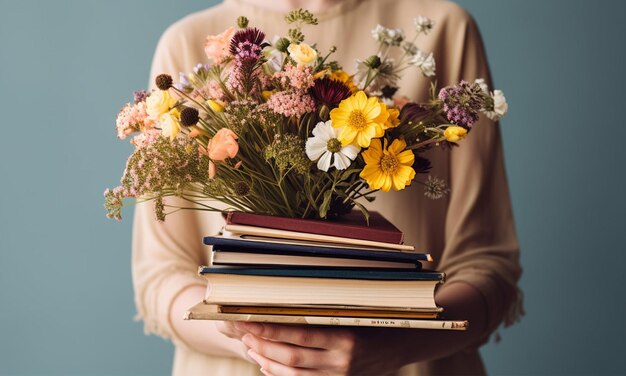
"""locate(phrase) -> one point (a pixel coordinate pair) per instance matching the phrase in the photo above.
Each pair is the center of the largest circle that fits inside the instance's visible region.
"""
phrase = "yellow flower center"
(389, 164)
(357, 120)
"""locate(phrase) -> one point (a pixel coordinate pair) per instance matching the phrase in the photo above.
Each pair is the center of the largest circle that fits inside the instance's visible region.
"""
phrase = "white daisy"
(425, 62)
(423, 24)
(324, 146)
(500, 107)
(483, 85)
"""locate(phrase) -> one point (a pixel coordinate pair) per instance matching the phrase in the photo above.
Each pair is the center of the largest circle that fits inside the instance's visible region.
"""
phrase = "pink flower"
(223, 145)
(216, 46)
(291, 103)
(145, 138)
(298, 77)
(131, 119)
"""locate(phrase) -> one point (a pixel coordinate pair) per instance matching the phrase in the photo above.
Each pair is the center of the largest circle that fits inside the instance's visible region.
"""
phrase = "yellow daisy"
(360, 119)
(388, 168)
(393, 120)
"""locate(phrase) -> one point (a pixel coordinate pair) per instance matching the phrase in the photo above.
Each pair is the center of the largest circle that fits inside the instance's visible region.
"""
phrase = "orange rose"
(223, 145)
(216, 46)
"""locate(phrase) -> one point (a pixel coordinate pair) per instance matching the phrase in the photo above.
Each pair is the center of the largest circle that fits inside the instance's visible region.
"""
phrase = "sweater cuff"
(493, 292)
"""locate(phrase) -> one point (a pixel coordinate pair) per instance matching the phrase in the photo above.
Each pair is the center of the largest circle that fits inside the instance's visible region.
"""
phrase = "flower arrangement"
(278, 128)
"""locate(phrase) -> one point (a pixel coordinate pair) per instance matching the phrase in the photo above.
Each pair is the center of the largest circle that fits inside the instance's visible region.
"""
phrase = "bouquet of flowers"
(277, 127)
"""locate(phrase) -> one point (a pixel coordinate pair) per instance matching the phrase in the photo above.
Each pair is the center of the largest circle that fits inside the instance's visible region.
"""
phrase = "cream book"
(203, 311)
(352, 287)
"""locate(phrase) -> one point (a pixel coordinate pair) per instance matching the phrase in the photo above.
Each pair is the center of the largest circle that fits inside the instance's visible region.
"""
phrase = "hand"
(304, 350)
(230, 330)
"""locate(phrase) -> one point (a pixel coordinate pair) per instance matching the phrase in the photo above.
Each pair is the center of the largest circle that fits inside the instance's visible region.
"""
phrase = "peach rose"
(223, 145)
(216, 46)
(302, 54)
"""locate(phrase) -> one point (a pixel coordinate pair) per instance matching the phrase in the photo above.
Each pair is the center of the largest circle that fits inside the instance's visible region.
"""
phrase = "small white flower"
(423, 24)
(424, 62)
(500, 107)
(379, 33)
(388, 36)
(274, 58)
(325, 146)
(483, 85)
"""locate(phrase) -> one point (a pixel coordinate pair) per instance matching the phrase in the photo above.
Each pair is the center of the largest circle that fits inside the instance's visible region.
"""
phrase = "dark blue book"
(335, 273)
(281, 247)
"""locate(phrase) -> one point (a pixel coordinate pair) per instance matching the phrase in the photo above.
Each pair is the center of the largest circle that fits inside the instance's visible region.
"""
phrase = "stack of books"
(343, 272)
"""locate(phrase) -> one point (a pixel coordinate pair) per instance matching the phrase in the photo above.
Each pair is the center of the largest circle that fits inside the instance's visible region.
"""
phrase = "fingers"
(287, 354)
(229, 329)
(297, 335)
(272, 368)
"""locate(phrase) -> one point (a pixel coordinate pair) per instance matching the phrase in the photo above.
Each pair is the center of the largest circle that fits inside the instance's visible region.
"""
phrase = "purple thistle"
(245, 39)
(140, 96)
(461, 103)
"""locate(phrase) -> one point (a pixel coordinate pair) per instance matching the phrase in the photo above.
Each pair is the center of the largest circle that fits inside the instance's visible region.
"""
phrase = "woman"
(470, 232)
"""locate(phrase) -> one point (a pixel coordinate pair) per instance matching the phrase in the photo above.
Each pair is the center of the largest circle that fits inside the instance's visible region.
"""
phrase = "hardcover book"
(238, 244)
(270, 234)
(353, 287)
(352, 225)
(234, 258)
(203, 311)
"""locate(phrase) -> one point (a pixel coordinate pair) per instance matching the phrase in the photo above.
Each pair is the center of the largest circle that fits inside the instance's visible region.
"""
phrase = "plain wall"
(66, 67)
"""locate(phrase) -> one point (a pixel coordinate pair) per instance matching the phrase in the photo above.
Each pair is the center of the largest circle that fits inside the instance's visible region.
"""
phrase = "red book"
(352, 225)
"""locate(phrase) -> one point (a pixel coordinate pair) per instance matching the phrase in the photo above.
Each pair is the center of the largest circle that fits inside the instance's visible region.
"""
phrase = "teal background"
(66, 67)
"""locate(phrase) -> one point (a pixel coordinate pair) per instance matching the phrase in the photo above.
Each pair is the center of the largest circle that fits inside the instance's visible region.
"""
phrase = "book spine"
(387, 323)
(330, 321)
(316, 227)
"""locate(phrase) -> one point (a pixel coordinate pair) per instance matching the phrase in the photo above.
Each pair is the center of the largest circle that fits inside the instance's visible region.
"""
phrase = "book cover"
(327, 273)
(234, 258)
(351, 225)
(227, 243)
(202, 311)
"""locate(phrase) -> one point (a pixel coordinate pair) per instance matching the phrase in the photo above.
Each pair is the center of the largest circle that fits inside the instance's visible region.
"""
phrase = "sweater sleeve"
(481, 245)
(166, 255)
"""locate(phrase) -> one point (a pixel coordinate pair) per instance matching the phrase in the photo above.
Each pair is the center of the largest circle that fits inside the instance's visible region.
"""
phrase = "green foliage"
(301, 16)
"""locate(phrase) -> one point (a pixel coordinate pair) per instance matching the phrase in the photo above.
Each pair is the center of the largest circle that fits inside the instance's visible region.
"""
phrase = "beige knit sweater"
(470, 232)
